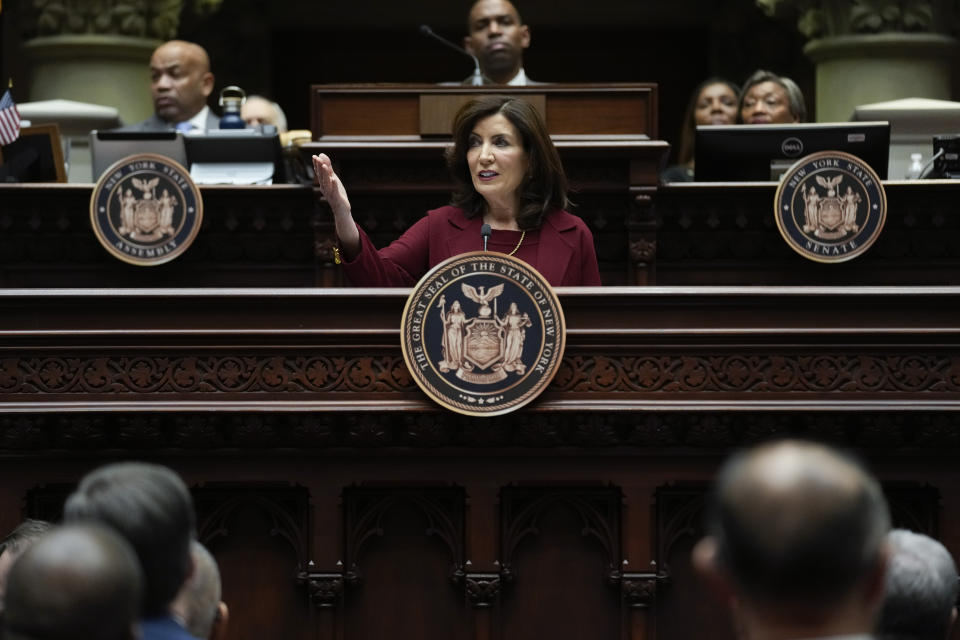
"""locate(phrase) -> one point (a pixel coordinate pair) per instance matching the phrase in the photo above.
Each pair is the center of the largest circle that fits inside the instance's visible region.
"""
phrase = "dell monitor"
(764, 152)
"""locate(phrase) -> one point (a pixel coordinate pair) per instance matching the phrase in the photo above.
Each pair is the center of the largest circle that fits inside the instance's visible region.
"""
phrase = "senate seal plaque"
(146, 210)
(830, 206)
(483, 333)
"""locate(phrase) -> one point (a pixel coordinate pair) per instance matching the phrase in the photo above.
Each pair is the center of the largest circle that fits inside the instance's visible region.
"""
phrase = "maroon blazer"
(561, 249)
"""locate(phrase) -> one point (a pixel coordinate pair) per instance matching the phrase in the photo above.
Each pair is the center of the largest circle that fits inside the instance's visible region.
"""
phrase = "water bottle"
(916, 166)
(231, 99)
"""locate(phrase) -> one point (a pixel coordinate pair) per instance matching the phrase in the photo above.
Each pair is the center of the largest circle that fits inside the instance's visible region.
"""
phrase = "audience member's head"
(921, 589)
(150, 506)
(78, 581)
(497, 37)
(714, 101)
(180, 80)
(797, 534)
(198, 602)
(13, 546)
(771, 99)
(257, 110)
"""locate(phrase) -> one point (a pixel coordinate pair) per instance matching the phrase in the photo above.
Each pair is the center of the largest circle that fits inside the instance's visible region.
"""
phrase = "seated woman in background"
(507, 174)
(714, 101)
(771, 99)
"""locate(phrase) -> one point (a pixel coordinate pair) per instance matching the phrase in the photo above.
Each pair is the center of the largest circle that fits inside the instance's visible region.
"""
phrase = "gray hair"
(281, 116)
(795, 101)
(921, 589)
(201, 592)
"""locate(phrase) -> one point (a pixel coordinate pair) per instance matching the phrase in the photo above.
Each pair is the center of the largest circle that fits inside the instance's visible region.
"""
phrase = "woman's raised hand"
(330, 186)
(336, 196)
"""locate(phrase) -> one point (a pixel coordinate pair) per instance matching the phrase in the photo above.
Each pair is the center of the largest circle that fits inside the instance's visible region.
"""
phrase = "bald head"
(180, 80)
(798, 521)
(78, 581)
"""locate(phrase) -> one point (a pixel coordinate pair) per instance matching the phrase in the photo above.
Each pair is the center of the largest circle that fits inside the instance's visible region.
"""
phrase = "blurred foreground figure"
(198, 604)
(921, 590)
(797, 541)
(150, 506)
(13, 546)
(79, 581)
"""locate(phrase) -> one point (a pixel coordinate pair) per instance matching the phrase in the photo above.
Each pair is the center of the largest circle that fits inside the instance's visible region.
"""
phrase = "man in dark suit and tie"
(180, 82)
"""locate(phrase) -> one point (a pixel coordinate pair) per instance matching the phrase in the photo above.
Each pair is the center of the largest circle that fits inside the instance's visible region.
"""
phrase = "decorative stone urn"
(97, 51)
(869, 51)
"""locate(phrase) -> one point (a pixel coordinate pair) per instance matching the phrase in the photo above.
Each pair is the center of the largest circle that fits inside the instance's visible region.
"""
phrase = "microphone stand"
(477, 79)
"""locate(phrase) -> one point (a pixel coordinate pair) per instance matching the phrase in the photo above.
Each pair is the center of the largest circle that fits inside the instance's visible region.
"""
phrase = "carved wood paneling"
(597, 510)
(259, 533)
(403, 562)
(108, 374)
(325, 590)
(191, 374)
(482, 589)
(77, 435)
(562, 546)
(284, 508)
(724, 234)
(249, 237)
(639, 590)
(365, 511)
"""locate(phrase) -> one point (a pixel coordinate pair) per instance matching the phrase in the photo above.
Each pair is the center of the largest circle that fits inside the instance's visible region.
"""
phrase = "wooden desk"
(340, 503)
(377, 110)
(692, 234)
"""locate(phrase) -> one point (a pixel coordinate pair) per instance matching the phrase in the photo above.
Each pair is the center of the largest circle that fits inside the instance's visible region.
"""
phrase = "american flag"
(9, 120)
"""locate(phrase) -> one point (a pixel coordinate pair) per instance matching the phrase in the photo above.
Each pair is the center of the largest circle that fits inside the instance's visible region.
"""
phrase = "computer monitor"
(764, 152)
(106, 147)
(235, 156)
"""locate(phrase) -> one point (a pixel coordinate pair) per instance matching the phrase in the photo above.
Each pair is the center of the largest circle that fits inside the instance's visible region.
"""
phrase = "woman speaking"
(507, 175)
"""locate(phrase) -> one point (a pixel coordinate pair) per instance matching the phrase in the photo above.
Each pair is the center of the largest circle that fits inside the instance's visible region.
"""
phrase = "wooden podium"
(378, 110)
(387, 144)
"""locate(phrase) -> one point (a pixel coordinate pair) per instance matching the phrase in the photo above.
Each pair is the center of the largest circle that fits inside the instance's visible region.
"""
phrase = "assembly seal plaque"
(146, 210)
(830, 206)
(483, 333)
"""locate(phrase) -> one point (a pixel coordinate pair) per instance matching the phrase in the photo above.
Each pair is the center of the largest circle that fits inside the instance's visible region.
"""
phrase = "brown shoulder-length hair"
(545, 185)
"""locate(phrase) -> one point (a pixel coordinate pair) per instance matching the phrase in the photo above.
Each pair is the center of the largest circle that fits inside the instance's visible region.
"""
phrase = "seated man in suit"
(497, 37)
(180, 82)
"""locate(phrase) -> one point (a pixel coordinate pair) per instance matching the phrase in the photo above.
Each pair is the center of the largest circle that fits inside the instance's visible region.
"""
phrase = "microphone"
(485, 234)
(477, 78)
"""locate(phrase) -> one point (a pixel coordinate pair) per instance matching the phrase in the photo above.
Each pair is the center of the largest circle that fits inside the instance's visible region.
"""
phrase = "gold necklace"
(522, 234)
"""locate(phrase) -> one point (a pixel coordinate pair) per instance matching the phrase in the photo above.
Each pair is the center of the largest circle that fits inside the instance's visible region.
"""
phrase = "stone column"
(869, 51)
